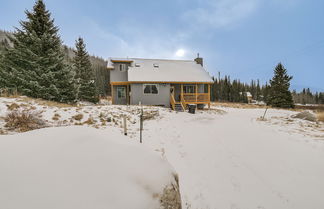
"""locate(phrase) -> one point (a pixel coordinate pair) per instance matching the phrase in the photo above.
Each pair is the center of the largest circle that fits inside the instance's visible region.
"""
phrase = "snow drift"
(79, 167)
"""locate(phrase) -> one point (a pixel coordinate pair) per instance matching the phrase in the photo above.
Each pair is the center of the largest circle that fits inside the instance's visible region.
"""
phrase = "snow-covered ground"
(225, 157)
(236, 161)
(80, 168)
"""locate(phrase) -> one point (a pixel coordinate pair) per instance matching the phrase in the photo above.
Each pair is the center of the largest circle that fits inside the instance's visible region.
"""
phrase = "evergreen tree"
(258, 91)
(84, 74)
(279, 95)
(4, 44)
(265, 92)
(253, 89)
(321, 98)
(306, 97)
(102, 77)
(36, 66)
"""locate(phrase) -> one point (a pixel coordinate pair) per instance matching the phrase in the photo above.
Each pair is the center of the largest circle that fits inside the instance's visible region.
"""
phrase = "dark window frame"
(151, 90)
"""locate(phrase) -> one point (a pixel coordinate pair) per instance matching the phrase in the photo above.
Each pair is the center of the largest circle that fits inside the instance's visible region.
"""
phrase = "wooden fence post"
(264, 113)
(125, 125)
(141, 122)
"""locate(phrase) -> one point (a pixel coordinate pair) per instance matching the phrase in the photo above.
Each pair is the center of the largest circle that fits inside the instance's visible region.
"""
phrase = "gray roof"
(160, 70)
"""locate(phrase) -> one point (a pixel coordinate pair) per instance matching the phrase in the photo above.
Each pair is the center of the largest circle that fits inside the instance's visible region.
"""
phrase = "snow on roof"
(115, 59)
(160, 70)
(110, 64)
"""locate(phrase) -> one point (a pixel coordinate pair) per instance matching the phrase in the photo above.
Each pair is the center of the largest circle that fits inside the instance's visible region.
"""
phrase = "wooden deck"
(191, 98)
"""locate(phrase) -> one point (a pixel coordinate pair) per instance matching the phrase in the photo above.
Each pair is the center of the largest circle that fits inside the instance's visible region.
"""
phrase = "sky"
(244, 39)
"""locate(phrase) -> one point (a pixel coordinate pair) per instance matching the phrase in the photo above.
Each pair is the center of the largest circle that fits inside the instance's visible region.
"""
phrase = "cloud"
(136, 39)
(220, 13)
(132, 40)
(286, 4)
(147, 43)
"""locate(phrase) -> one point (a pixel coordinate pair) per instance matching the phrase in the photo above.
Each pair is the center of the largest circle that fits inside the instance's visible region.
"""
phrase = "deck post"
(196, 92)
(112, 94)
(208, 96)
(127, 94)
(181, 92)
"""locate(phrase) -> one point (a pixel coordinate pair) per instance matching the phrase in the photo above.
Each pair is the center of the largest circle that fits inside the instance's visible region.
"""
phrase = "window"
(151, 88)
(188, 89)
(121, 92)
(122, 67)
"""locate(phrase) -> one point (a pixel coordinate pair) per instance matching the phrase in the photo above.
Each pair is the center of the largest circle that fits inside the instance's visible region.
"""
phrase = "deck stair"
(178, 107)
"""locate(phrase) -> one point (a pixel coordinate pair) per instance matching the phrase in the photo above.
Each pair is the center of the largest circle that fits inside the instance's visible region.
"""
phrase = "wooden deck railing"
(195, 98)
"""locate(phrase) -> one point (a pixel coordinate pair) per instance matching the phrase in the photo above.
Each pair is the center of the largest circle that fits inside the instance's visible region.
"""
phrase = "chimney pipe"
(199, 60)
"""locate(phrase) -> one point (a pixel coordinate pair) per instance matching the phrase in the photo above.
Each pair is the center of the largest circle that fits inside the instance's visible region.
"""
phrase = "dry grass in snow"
(57, 114)
(320, 116)
(23, 120)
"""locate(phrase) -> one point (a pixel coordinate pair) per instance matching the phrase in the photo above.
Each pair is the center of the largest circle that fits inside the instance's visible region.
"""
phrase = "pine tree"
(279, 95)
(84, 74)
(258, 91)
(36, 66)
(4, 44)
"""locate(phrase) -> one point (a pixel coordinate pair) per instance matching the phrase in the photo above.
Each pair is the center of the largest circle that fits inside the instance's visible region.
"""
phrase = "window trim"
(122, 67)
(150, 84)
(121, 87)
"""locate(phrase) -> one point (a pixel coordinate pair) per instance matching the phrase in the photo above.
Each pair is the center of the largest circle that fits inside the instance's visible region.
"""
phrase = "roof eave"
(172, 82)
(125, 61)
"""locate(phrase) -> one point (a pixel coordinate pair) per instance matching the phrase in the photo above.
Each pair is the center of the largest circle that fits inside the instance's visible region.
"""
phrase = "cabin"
(249, 97)
(168, 83)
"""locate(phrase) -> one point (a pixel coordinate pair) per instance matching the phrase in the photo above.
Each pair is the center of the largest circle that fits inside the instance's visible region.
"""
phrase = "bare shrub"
(78, 117)
(320, 116)
(90, 121)
(24, 120)
(56, 116)
(13, 106)
(150, 115)
(101, 115)
(2, 132)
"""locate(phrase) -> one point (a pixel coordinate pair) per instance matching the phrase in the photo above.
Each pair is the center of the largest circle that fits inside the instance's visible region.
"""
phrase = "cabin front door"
(121, 95)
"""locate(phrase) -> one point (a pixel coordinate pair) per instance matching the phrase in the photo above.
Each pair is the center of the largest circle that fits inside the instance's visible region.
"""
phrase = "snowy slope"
(235, 161)
(79, 168)
(225, 157)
